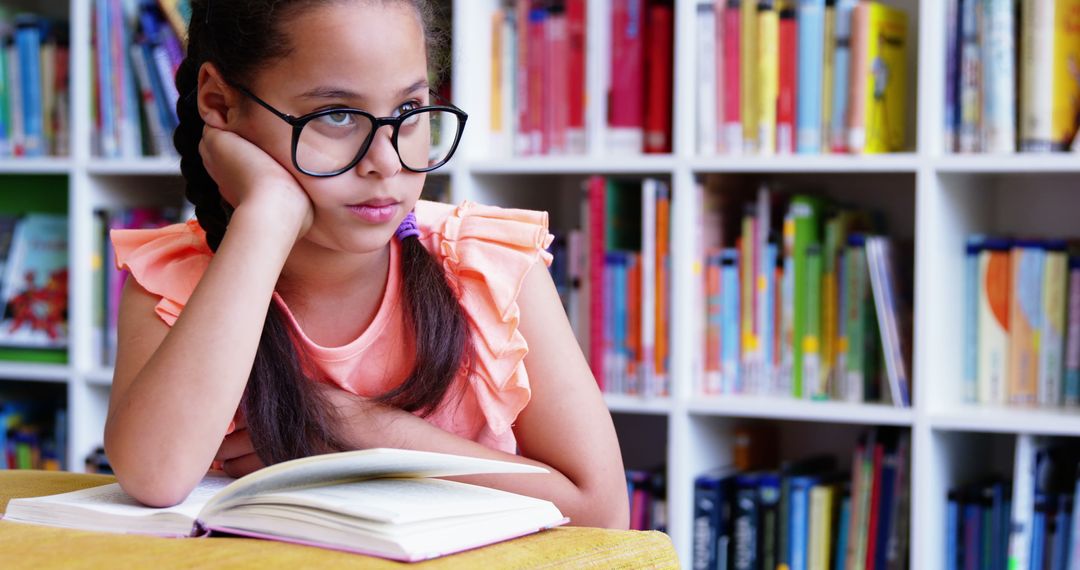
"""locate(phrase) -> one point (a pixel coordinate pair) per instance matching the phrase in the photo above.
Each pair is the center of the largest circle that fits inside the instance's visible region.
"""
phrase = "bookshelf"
(939, 198)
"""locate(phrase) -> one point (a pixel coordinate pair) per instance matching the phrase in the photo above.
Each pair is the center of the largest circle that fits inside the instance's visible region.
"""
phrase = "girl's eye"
(406, 107)
(341, 119)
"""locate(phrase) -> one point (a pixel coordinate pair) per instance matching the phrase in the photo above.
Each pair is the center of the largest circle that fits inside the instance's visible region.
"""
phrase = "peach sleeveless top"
(487, 251)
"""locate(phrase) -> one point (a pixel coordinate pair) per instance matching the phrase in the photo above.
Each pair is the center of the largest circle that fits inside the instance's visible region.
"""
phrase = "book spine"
(971, 322)
(708, 71)
(811, 338)
(663, 291)
(706, 523)
(658, 86)
(788, 81)
(952, 74)
(749, 80)
(805, 216)
(714, 325)
(886, 85)
(994, 299)
(147, 97)
(649, 222)
(767, 333)
(28, 47)
(820, 527)
(799, 527)
(1065, 106)
(1072, 350)
(811, 54)
(498, 129)
(5, 95)
(745, 532)
(857, 81)
(576, 140)
(843, 528)
(18, 122)
(597, 188)
(885, 292)
(768, 34)
(787, 310)
(1025, 310)
(999, 85)
(626, 114)
(769, 506)
(1023, 501)
(828, 73)
(537, 64)
(1074, 528)
(730, 335)
(1036, 75)
(971, 85)
(842, 75)
(869, 534)
(733, 77)
(523, 136)
(1051, 345)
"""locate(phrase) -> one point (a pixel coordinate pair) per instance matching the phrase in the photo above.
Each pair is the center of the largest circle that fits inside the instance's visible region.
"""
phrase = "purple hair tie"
(407, 228)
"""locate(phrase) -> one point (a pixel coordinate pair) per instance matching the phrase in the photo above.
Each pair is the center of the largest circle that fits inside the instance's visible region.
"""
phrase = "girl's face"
(363, 55)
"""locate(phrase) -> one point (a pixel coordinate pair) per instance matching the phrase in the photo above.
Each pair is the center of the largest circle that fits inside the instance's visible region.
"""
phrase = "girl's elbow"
(146, 480)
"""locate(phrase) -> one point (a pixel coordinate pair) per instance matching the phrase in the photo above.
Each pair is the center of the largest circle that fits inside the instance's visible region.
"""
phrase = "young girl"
(316, 304)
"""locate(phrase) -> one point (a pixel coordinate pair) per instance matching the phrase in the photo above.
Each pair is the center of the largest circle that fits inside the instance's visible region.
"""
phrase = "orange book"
(633, 323)
(663, 246)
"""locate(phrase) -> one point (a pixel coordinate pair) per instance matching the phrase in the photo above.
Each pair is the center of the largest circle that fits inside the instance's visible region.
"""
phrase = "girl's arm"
(566, 426)
(175, 391)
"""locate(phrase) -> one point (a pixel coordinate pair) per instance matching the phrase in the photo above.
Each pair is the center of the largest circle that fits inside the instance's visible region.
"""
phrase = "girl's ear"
(215, 96)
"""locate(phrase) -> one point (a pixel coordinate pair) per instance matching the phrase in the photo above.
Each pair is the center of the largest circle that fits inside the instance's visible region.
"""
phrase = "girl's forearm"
(369, 425)
(164, 431)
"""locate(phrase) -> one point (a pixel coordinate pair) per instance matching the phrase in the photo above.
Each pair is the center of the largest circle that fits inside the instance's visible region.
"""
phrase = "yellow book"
(768, 40)
(821, 509)
(1065, 118)
(748, 68)
(497, 18)
(827, 73)
(885, 104)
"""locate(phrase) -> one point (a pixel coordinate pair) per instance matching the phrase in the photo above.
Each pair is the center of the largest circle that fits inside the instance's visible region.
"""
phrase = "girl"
(306, 311)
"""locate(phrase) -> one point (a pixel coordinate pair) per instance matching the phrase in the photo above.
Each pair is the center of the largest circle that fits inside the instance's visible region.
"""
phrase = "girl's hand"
(247, 176)
(237, 452)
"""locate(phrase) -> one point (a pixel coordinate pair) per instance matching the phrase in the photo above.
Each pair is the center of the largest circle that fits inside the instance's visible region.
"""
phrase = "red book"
(875, 508)
(626, 100)
(732, 116)
(522, 138)
(575, 32)
(537, 58)
(597, 188)
(785, 105)
(658, 69)
(558, 79)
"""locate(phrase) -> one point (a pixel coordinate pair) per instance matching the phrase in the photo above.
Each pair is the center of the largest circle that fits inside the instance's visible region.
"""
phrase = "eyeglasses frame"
(298, 124)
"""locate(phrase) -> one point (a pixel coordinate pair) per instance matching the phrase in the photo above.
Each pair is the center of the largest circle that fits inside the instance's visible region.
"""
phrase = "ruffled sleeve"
(490, 250)
(167, 262)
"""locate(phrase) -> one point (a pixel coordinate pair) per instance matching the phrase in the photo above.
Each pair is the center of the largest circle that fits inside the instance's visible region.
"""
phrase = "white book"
(999, 77)
(1037, 75)
(381, 502)
(993, 340)
(1023, 500)
(650, 188)
(706, 83)
(1052, 336)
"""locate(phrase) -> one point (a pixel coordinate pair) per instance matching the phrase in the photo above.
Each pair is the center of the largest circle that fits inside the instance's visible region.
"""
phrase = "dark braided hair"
(287, 415)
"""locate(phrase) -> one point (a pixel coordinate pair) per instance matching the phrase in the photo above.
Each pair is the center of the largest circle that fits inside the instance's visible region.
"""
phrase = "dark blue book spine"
(744, 547)
(886, 502)
(769, 507)
(1060, 558)
(952, 532)
(840, 553)
(972, 535)
(706, 522)
(1038, 531)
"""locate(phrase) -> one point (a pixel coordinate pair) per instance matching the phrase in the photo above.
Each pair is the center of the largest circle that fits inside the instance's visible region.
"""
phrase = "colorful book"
(878, 74)
(1051, 345)
(767, 75)
(1025, 311)
(994, 283)
(786, 128)
(811, 60)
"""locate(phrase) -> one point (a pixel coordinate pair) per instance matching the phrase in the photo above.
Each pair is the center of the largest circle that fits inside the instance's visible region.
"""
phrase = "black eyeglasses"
(332, 141)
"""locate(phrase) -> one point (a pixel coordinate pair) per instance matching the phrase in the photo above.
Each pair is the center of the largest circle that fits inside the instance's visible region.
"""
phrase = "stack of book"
(1029, 522)
(616, 282)
(808, 514)
(803, 299)
(1022, 323)
(1012, 77)
(647, 491)
(135, 55)
(35, 107)
(32, 436)
(109, 281)
(805, 76)
(538, 87)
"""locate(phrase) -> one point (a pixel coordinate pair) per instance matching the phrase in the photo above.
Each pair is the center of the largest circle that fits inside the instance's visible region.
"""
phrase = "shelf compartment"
(801, 410)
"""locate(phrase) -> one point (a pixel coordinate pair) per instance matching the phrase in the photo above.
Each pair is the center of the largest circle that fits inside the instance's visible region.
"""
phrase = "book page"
(357, 465)
(111, 499)
(400, 500)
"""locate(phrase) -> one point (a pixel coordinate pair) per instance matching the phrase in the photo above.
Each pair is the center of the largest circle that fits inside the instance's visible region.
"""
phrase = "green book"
(805, 211)
(623, 216)
(861, 334)
(811, 339)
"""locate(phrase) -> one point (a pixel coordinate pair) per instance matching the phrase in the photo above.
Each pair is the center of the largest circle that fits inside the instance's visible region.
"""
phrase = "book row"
(35, 101)
(1030, 522)
(808, 514)
(803, 299)
(647, 492)
(1012, 77)
(614, 275)
(32, 435)
(801, 76)
(1022, 323)
(538, 86)
(135, 55)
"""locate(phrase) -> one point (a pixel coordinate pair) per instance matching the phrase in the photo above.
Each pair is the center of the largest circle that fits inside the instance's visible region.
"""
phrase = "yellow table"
(27, 546)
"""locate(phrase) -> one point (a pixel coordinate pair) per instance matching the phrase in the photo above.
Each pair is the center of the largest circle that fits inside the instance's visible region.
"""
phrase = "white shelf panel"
(100, 376)
(1009, 420)
(642, 164)
(619, 403)
(35, 372)
(1019, 163)
(899, 162)
(141, 166)
(801, 410)
(35, 165)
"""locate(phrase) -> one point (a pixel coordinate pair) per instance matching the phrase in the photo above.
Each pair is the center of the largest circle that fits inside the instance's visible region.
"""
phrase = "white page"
(111, 499)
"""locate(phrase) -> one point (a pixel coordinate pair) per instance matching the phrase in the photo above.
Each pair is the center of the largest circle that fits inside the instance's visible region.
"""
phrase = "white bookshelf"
(935, 198)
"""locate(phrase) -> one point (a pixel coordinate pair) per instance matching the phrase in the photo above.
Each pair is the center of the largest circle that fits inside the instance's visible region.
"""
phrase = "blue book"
(106, 99)
(768, 309)
(971, 319)
(706, 521)
(1059, 559)
(769, 490)
(952, 74)
(886, 504)
(972, 533)
(811, 49)
(5, 94)
(1074, 528)
(729, 334)
(745, 528)
(28, 44)
(841, 81)
(952, 532)
(799, 524)
(1038, 530)
(999, 505)
(842, 529)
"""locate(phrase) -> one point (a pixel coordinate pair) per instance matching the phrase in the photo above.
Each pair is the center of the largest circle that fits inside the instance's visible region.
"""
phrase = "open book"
(382, 502)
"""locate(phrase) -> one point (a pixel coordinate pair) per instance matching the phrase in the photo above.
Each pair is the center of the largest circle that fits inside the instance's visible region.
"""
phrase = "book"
(876, 114)
(381, 502)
